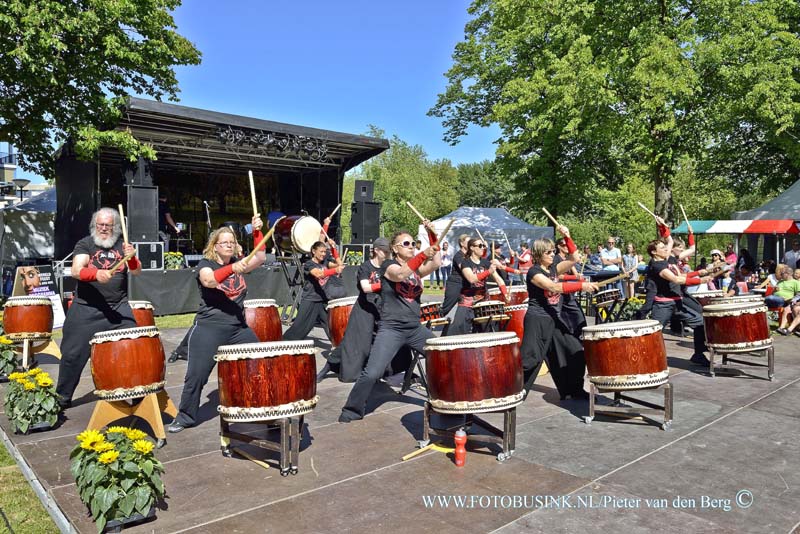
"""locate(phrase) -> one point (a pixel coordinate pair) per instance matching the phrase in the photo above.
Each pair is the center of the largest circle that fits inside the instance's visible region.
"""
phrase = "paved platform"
(731, 436)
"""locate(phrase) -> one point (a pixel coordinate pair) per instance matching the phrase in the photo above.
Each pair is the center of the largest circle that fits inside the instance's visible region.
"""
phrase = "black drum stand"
(618, 409)
(294, 279)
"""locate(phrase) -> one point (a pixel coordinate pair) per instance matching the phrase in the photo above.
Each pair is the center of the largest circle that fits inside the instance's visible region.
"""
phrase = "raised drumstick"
(410, 205)
(263, 240)
(444, 232)
(334, 211)
(551, 217)
(122, 224)
(253, 193)
(685, 218)
(647, 210)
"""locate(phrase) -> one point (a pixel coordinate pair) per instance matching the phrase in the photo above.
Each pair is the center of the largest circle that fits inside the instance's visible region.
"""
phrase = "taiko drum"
(516, 321)
(626, 355)
(516, 294)
(738, 299)
(297, 233)
(263, 381)
(142, 312)
(338, 315)
(127, 363)
(261, 315)
(704, 297)
(430, 311)
(474, 373)
(28, 318)
(736, 327)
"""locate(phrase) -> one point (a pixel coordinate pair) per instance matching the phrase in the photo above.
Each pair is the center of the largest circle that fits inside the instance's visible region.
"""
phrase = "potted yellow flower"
(173, 260)
(31, 402)
(117, 475)
(8, 358)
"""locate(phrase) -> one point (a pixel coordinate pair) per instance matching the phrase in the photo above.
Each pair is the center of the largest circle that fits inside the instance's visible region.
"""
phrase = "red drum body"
(474, 373)
(127, 363)
(738, 299)
(297, 232)
(28, 318)
(516, 294)
(626, 355)
(488, 308)
(430, 311)
(704, 297)
(263, 381)
(261, 315)
(338, 316)
(142, 312)
(516, 323)
(607, 297)
(736, 327)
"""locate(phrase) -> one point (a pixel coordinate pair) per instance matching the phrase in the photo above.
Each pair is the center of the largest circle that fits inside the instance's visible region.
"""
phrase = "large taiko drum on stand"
(127, 363)
(338, 316)
(738, 299)
(705, 296)
(626, 355)
(262, 316)
(474, 373)
(516, 294)
(142, 312)
(263, 381)
(736, 327)
(28, 318)
(297, 233)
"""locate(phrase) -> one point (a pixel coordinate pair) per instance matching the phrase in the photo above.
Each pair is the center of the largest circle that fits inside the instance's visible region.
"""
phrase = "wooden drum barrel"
(516, 323)
(474, 373)
(626, 355)
(736, 327)
(516, 294)
(338, 315)
(261, 315)
(263, 381)
(297, 233)
(142, 312)
(28, 318)
(127, 363)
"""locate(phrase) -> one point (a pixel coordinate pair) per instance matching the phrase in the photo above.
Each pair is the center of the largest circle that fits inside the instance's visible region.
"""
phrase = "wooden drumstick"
(444, 232)
(480, 236)
(685, 218)
(507, 243)
(551, 217)
(253, 193)
(344, 255)
(263, 240)
(334, 211)
(492, 249)
(410, 205)
(647, 210)
(123, 225)
(118, 265)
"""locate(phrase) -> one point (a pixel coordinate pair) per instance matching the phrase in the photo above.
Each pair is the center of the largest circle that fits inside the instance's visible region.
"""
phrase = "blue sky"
(338, 65)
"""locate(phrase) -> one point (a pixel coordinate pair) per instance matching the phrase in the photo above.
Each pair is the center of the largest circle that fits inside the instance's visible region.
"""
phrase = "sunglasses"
(481, 245)
(549, 251)
(406, 244)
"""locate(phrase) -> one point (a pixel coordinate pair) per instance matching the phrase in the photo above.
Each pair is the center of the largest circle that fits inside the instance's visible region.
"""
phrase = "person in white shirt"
(611, 257)
(792, 256)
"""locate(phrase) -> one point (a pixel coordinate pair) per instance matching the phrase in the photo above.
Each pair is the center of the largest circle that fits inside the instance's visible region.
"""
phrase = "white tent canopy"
(494, 224)
(784, 206)
(28, 229)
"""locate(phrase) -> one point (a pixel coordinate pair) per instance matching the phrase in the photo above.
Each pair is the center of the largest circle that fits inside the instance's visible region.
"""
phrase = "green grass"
(175, 321)
(19, 503)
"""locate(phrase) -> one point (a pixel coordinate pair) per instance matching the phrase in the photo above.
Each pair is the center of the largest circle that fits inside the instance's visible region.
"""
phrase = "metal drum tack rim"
(260, 303)
(491, 339)
(247, 351)
(346, 301)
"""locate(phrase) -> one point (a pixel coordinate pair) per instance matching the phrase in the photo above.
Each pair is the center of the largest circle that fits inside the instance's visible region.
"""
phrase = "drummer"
(220, 319)
(401, 287)
(101, 298)
(571, 312)
(452, 289)
(547, 334)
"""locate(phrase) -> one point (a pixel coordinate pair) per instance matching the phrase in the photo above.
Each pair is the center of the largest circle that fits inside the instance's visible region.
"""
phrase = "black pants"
(81, 324)
(357, 341)
(204, 340)
(309, 315)
(663, 312)
(548, 339)
(390, 339)
(452, 290)
(462, 322)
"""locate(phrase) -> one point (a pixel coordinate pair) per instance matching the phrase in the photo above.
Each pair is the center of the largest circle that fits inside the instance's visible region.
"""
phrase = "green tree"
(588, 93)
(67, 65)
(482, 185)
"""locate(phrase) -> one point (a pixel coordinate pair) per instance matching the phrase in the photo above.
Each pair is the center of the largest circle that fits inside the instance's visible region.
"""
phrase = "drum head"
(621, 329)
(271, 349)
(305, 233)
(27, 301)
(124, 333)
(140, 304)
(260, 303)
(733, 308)
(470, 341)
(347, 301)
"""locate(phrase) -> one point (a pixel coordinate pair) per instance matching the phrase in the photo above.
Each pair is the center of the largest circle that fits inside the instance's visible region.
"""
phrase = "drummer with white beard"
(101, 298)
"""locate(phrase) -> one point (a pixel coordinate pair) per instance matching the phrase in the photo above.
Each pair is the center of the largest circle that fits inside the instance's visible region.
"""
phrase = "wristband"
(693, 281)
(329, 272)
(88, 274)
(221, 274)
(335, 253)
(257, 237)
(691, 239)
(571, 287)
(134, 263)
(510, 270)
(325, 228)
(570, 244)
(663, 230)
(569, 277)
(375, 287)
(692, 274)
(417, 261)
(504, 292)
(432, 237)
(484, 275)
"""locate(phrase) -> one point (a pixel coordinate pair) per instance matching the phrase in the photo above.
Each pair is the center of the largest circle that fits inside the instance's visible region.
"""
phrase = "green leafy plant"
(8, 358)
(173, 260)
(30, 399)
(116, 473)
(354, 258)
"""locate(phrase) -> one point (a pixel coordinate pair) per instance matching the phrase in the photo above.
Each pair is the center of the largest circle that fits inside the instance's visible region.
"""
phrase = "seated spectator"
(797, 274)
(746, 260)
(740, 284)
(786, 296)
(730, 255)
(596, 259)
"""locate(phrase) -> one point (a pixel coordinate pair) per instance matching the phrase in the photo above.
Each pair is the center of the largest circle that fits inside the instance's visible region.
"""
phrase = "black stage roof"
(196, 141)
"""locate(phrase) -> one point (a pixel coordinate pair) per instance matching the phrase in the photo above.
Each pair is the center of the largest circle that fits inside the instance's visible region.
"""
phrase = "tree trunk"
(664, 205)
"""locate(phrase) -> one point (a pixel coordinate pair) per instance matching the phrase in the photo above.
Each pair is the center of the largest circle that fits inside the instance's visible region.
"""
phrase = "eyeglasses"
(549, 251)
(226, 243)
(406, 244)
(610, 242)
(561, 244)
(480, 245)
(104, 225)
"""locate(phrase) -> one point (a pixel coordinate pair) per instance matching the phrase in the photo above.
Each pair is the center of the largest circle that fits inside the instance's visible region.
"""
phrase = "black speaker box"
(365, 222)
(142, 213)
(151, 255)
(364, 191)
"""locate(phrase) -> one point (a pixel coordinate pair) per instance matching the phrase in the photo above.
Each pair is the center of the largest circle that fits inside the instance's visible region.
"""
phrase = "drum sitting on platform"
(297, 233)
(488, 308)
(607, 297)
(338, 316)
(474, 373)
(516, 294)
(430, 311)
(704, 297)
(738, 299)
(626, 355)
(261, 315)
(142, 312)
(28, 318)
(736, 327)
(263, 381)
(127, 363)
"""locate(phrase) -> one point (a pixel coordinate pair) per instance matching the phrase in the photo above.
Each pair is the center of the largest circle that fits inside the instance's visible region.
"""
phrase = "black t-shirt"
(95, 293)
(664, 288)
(163, 209)
(566, 297)
(400, 300)
(472, 293)
(222, 304)
(314, 288)
(541, 301)
(502, 272)
(372, 275)
(455, 272)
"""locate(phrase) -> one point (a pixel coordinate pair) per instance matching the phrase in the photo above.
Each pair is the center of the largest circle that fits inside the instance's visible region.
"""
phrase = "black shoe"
(782, 331)
(65, 403)
(175, 356)
(700, 359)
(175, 427)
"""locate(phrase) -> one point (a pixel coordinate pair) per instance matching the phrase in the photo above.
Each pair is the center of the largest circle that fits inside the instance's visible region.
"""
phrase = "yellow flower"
(5, 341)
(103, 446)
(44, 381)
(29, 386)
(108, 457)
(22, 381)
(91, 436)
(35, 371)
(143, 446)
(134, 434)
(117, 430)
(16, 376)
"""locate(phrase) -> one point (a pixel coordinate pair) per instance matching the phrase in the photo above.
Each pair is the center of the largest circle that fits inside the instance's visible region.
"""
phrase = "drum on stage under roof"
(28, 317)
(297, 233)
(338, 317)
(261, 315)
(127, 363)
(737, 326)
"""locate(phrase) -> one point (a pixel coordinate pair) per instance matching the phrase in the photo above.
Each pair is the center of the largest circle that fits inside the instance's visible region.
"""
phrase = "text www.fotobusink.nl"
(742, 499)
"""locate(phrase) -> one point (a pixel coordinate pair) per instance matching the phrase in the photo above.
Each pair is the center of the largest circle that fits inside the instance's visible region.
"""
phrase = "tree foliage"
(588, 94)
(67, 65)
(482, 185)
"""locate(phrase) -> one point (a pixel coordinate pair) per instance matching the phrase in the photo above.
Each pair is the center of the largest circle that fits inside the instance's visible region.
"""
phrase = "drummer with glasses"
(571, 311)
(220, 319)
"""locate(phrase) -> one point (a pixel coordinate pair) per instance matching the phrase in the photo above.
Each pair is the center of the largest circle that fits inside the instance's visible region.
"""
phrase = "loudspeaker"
(142, 214)
(363, 191)
(365, 219)
(151, 255)
(138, 173)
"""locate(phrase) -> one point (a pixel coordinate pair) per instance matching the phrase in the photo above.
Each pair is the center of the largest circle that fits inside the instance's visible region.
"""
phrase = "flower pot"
(116, 525)
(36, 427)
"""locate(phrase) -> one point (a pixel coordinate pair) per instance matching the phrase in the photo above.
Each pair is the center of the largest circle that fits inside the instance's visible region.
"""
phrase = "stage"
(730, 435)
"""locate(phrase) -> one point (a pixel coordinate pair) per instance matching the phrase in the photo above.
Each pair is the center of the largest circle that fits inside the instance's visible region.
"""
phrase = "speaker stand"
(295, 282)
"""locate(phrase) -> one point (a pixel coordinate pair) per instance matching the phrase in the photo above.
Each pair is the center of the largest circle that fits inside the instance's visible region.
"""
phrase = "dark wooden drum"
(297, 233)
(736, 327)
(338, 316)
(127, 363)
(28, 318)
(704, 296)
(474, 373)
(430, 311)
(516, 323)
(516, 294)
(263, 381)
(738, 299)
(142, 312)
(626, 355)
(261, 315)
